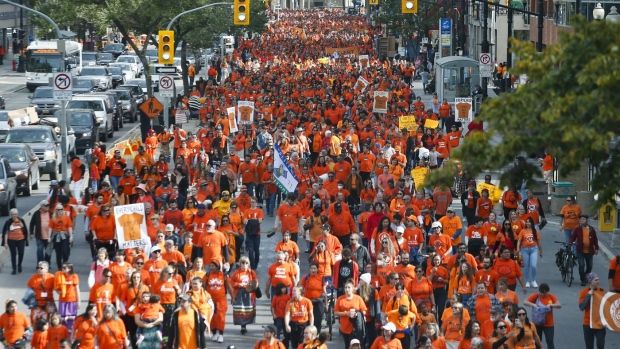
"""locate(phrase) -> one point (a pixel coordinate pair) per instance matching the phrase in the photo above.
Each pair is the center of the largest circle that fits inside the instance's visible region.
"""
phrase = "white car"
(127, 68)
(134, 61)
(100, 74)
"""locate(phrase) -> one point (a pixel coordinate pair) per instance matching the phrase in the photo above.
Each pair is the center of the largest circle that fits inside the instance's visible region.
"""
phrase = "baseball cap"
(270, 328)
(436, 225)
(400, 229)
(155, 249)
(169, 227)
(354, 341)
(201, 206)
(389, 327)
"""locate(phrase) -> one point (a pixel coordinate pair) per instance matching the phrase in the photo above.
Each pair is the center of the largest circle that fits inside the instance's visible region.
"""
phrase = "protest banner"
(232, 119)
(246, 112)
(408, 122)
(380, 102)
(130, 223)
(463, 108)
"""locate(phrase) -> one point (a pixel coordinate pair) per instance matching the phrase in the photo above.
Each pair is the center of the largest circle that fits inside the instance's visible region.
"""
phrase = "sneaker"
(140, 339)
(214, 337)
(220, 339)
(534, 284)
(527, 284)
(159, 336)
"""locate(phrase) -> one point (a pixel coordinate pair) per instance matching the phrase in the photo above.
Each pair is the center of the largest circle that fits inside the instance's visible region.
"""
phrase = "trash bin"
(585, 199)
(563, 189)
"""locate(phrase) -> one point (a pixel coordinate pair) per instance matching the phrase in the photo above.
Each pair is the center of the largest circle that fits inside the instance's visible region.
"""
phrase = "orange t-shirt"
(289, 218)
(282, 274)
(344, 305)
(299, 310)
(166, 291)
(104, 228)
(187, 329)
(507, 268)
(570, 215)
(111, 334)
(55, 334)
(62, 223)
(84, 330)
(212, 244)
(14, 326)
(546, 299)
(527, 238)
(150, 311)
(313, 286)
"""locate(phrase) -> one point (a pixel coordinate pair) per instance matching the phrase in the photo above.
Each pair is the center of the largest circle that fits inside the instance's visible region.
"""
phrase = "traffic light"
(409, 6)
(241, 12)
(165, 51)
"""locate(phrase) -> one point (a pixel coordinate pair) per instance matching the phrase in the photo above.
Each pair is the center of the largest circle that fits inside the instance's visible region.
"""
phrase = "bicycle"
(330, 303)
(566, 260)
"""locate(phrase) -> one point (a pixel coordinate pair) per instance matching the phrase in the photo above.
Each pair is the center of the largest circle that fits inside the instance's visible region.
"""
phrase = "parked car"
(134, 61)
(43, 101)
(117, 76)
(128, 104)
(84, 85)
(84, 124)
(44, 143)
(117, 107)
(103, 111)
(115, 49)
(25, 163)
(127, 69)
(8, 187)
(89, 58)
(135, 90)
(2, 103)
(5, 125)
(101, 74)
(105, 58)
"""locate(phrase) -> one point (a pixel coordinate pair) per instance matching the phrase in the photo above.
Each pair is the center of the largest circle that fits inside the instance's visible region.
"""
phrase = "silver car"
(101, 74)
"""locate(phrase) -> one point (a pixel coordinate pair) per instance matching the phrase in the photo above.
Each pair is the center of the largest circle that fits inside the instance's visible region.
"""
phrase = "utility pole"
(485, 45)
(508, 80)
(540, 10)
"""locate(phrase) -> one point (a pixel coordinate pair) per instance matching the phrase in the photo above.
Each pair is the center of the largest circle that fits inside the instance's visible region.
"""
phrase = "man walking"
(586, 242)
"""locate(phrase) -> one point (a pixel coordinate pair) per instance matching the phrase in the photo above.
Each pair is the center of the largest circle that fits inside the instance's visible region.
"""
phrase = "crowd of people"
(361, 240)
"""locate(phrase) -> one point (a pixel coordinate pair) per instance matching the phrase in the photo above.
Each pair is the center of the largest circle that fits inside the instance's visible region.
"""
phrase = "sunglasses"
(139, 263)
(521, 314)
(245, 263)
(501, 327)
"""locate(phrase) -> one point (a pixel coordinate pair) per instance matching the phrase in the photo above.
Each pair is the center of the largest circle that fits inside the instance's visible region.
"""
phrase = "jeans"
(114, 182)
(62, 250)
(271, 203)
(41, 251)
(279, 323)
(16, 247)
(251, 188)
(530, 260)
(252, 245)
(567, 234)
(590, 334)
(318, 310)
(548, 334)
(585, 264)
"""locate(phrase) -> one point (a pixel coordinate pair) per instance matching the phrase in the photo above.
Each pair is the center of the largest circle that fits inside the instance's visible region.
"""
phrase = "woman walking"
(530, 247)
(111, 333)
(62, 235)
(15, 236)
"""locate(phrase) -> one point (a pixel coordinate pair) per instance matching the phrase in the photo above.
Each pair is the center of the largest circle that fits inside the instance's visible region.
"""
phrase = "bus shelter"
(456, 76)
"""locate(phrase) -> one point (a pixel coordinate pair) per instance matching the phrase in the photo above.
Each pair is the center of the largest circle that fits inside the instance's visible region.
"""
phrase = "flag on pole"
(283, 174)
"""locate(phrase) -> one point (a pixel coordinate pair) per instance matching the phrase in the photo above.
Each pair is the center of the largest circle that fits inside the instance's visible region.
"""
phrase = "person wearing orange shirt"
(77, 177)
(298, 315)
(454, 325)
(141, 160)
(154, 266)
(342, 224)
(13, 324)
(280, 272)
(216, 283)
(386, 340)
(444, 112)
(546, 299)
(592, 327)
(613, 274)
(288, 216)
(187, 328)
(111, 332)
(61, 235)
(103, 293)
(103, 228)
(440, 241)
(56, 332)
(214, 245)
(248, 173)
(85, 327)
(289, 246)
(116, 165)
(506, 267)
(510, 200)
(548, 164)
(569, 213)
(348, 307)
(452, 226)
(486, 275)
(484, 206)
(366, 163)
(476, 237)
(270, 339)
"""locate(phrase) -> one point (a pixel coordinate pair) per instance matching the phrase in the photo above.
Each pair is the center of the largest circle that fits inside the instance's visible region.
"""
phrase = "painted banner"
(131, 226)
(495, 193)
(408, 122)
(608, 310)
(380, 102)
(246, 112)
(283, 174)
(232, 119)
(463, 108)
(360, 84)
(364, 61)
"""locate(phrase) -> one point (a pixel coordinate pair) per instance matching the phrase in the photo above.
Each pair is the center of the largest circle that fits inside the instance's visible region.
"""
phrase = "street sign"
(165, 70)
(486, 68)
(152, 107)
(166, 86)
(63, 86)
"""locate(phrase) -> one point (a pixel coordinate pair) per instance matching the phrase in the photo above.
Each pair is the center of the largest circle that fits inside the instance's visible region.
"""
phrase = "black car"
(115, 49)
(128, 103)
(117, 76)
(84, 85)
(25, 163)
(105, 58)
(8, 187)
(136, 91)
(2, 103)
(84, 125)
(43, 101)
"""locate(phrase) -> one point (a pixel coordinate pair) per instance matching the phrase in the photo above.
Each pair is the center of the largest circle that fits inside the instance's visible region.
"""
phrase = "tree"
(568, 107)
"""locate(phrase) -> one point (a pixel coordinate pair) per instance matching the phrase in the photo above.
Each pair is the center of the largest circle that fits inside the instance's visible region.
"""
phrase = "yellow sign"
(419, 176)
(430, 123)
(408, 122)
(607, 218)
(495, 193)
(373, 2)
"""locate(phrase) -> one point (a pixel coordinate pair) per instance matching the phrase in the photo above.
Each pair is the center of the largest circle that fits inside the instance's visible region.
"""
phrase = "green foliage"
(427, 17)
(568, 107)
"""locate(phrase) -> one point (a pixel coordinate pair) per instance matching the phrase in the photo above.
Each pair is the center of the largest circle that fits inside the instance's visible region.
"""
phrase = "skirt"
(244, 308)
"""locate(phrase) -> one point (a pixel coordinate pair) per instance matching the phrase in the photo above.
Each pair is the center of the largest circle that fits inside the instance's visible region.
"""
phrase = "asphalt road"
(568, 319)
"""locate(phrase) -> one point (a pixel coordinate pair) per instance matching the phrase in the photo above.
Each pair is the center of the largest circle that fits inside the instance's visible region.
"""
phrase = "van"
(104, 112)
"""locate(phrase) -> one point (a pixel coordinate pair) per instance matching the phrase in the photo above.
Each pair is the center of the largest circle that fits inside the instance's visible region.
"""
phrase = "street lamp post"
(613, 16)
(485, 45)
(194, 10)
(598, 13)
